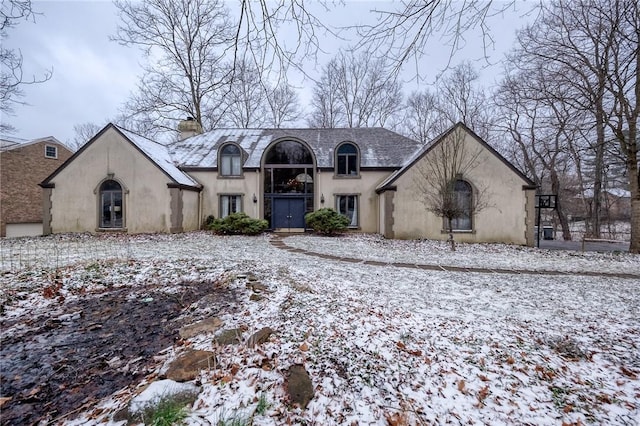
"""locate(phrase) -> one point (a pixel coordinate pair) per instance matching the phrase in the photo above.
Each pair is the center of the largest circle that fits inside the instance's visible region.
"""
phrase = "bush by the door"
(238, 223)
(327, 221)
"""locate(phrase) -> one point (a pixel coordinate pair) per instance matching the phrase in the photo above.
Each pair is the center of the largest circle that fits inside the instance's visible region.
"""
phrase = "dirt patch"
(89, 348)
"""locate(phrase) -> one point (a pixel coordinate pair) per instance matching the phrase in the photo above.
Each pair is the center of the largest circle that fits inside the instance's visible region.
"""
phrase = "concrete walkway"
(278, 242)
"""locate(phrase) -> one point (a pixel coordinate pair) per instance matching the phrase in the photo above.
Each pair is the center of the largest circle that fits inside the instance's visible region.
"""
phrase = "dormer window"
(50, 151)
(230, 160)
(347, 161)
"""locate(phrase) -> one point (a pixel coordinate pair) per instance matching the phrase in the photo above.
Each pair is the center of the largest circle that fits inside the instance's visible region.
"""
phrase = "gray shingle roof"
(378, 147)
(159, 154)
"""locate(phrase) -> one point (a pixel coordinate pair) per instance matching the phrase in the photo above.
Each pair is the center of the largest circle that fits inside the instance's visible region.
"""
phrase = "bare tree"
(83, 132)
(284, 105)
(359, 92)
(422, 119)
(12, 78)
(456, 97)
(449, 162)
(245, 102)
(401, 32)
(185, 42)
(542, 131)
(461, 99)
(261, 38)
(327, 110)
(589, 54)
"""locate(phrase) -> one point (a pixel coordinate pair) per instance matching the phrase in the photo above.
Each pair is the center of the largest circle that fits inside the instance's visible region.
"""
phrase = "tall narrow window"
(463, 194)
(112, 211)
(230, 160)
(230, 204)
(347, 205)
(347, 160)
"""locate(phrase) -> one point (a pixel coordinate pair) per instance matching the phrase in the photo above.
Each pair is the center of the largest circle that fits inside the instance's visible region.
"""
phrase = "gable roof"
(387, 184)
(153, 151)
(7, 144)
(378, 147)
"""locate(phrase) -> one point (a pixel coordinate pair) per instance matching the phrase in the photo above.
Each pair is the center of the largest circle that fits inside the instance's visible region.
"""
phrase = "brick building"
(23, 165)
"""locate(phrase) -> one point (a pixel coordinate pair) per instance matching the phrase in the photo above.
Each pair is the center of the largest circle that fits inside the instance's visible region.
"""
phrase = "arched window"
(347, 160)
(463, 197)
(112, 206)
(230, 160)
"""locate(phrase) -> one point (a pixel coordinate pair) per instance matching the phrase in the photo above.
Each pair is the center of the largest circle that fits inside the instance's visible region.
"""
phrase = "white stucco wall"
(504, 219)
(190, 214)
(75, 198)
(364, 186)
(213, 186)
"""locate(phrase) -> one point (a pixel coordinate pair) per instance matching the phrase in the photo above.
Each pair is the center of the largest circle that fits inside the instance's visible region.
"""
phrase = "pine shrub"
(238, 223)
(327, 221)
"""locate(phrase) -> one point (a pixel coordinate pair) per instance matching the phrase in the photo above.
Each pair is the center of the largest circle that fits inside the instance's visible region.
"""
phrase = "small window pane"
(50, 151)
(463, 194)
(347, 205)
(230, 161)
(230, 204)
(342, 164)
(347, 160)
(347, 148)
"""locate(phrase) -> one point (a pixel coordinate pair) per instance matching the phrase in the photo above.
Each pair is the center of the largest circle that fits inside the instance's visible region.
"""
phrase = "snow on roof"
(9, 143)
(160, 155)
(378, 147)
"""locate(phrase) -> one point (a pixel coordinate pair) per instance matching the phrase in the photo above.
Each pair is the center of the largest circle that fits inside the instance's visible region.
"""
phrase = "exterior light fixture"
(255, 199)
(322, 199)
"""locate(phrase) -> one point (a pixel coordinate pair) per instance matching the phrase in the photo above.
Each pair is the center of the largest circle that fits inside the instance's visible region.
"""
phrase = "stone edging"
(278, 242)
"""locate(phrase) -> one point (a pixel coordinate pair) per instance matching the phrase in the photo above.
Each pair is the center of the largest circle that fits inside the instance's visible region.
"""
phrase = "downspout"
(258, 194)
(200, 224)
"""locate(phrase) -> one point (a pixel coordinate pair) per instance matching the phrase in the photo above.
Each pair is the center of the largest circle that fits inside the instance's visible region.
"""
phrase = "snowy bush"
(327, 221)
(238, 223)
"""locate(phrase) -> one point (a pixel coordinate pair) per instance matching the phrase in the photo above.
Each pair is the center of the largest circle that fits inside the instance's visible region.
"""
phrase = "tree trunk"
(596, 206)
(562, 216)
(634, 188)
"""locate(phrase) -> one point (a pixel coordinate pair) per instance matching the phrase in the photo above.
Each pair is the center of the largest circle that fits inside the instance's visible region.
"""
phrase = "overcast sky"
(92, 76)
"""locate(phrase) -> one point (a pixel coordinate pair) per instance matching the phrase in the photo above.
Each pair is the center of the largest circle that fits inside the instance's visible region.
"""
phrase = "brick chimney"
(189, 127)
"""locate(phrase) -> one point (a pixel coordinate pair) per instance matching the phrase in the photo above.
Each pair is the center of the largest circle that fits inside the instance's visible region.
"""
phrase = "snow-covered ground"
(383, 345)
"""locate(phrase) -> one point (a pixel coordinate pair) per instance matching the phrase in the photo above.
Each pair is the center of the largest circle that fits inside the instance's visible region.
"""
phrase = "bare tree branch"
(12, 78)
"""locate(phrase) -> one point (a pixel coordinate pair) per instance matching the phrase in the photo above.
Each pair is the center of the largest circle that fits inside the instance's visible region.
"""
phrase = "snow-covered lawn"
(383, 345)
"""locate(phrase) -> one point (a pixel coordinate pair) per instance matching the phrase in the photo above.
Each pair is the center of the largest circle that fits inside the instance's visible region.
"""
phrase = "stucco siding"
(364, 186)
(75, 195)
(214, 186)
(503, 219)
(190, 216)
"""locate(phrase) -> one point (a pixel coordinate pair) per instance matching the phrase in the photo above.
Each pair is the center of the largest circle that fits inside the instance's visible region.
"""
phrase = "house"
(23, 165)
(120, 181)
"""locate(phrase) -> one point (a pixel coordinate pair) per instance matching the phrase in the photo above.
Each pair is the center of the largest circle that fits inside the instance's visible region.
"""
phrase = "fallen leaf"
(4, 400)
(628, 373)
(461, 386)
(483, 393)
(304, 347)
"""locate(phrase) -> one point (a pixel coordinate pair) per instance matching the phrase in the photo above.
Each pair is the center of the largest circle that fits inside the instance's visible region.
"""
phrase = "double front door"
(288, 212)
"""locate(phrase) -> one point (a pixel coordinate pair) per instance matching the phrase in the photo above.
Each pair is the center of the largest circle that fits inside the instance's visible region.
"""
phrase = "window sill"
(230, 177)
(459, 231)
(111, 229)
(347, 176)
